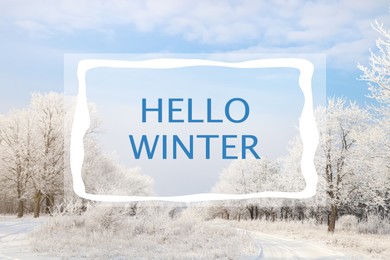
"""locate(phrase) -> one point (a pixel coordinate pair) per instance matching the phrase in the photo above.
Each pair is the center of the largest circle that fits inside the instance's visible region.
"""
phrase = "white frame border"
(307, 126)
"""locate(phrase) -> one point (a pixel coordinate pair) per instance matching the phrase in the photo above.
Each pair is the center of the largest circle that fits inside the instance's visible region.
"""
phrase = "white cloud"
(33, 28)
(213, 17)
(335, 27)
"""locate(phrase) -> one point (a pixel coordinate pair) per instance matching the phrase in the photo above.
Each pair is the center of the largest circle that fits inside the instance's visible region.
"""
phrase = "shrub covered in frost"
(374, 225)
(104, 232)
(348, 223)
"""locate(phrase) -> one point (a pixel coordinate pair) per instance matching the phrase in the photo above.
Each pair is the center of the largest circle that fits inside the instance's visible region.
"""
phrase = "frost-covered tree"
(48, 111)
(374, 191)
(103, 175)
(249, 176)
(338, 156)
(341, 160)
(17, 155)
(377, 74)
(292, 180)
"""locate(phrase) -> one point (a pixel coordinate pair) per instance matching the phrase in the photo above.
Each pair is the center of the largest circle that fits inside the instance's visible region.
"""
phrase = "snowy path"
(14, 243)
(277, 247)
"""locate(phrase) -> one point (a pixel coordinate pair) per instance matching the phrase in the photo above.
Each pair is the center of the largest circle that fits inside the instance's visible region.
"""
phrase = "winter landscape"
(349, 217)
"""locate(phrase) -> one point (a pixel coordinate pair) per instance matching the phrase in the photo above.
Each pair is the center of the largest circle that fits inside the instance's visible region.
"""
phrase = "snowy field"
(72, 237)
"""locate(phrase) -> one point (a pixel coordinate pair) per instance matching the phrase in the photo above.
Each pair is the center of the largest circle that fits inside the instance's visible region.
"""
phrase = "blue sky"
(36, 34)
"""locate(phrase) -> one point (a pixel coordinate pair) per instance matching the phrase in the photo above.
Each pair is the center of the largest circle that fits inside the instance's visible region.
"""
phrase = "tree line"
(34, 159)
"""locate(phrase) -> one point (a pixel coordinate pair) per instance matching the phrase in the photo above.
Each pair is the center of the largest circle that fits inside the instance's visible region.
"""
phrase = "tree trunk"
(20, 208)
(37, 203)
(332, 218)
(251, 212)
(49, 201)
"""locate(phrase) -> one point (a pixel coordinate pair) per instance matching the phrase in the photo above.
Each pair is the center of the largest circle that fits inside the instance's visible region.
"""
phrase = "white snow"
(302, 238)
(278, 247)
(14, 241)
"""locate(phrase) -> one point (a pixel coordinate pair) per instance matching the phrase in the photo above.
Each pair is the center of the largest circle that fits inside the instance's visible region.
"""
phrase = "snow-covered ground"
(279, 247)
(302, 239)
(14, 242)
